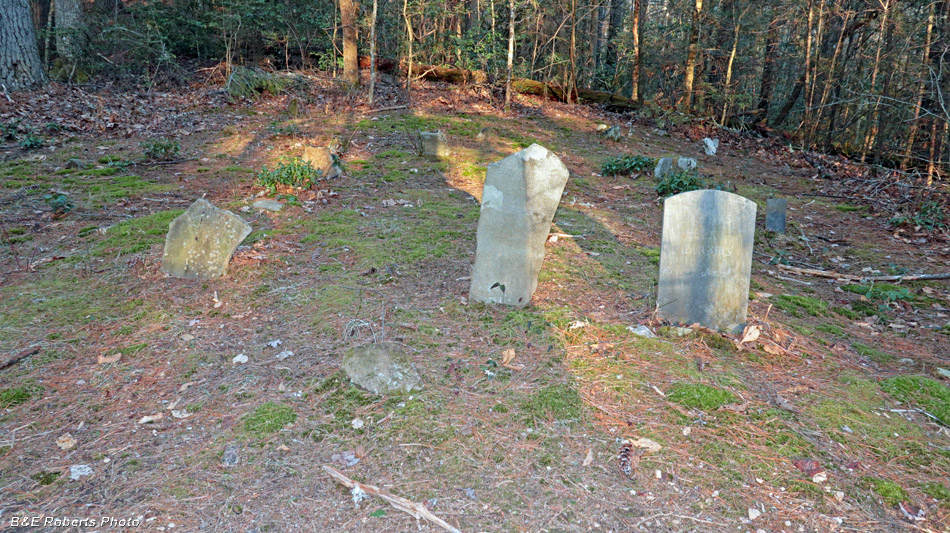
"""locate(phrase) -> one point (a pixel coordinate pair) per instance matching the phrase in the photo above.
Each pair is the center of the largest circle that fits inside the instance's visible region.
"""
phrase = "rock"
(434, 144)
(663, 168)
(201, 240)
(686, 163)
(520, 196)
(79, 471)
(710, 146)
(270, 205)
(706, 259)
(754, 513)
(641, 331)
(74, 162)
(775, 209)
(66, 442)
(239, 359)
(602, 127)
(322, 159)
(482, 134)
(232, 455)
(613, 133)
(381, 368)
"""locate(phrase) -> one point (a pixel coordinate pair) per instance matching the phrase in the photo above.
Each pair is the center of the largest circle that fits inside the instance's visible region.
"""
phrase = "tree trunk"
(869, 134)
(69, 36)
(768, 69)
(372, 53)
(511, 53)
(351, 65)
(921, 90)
(636, 93)
(20, 66)
(614, 21)
(691, 56)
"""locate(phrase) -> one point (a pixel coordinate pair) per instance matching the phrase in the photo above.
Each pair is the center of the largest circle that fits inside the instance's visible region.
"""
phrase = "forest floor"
(835, 419)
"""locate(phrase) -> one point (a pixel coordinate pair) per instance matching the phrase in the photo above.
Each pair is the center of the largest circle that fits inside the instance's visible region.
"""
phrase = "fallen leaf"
(507, 356)
(107, 359)
(809, 467)
(820, 477)
(647, 444)
(66, 442)
(773, 349)
(151, 418)
(180, 414)
(751, 334)
(589, 458)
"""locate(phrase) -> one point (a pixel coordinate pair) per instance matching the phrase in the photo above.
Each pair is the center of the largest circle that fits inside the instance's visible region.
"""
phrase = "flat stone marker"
(200, 242)
(521, 194)
(663, 167)
(710, 146)
(382, 368)
(434, 144)
(775, 209)
(686, 163)
(706, 259)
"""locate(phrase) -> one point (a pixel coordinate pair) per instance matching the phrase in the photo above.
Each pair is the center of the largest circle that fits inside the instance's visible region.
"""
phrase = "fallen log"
(861, 279)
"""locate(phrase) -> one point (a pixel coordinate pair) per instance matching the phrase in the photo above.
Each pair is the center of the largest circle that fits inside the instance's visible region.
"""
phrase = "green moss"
(718, 342)
(844, 208)
(929, 394)
(243, 170)
(847, 313)
(936, 491)
(269, 418)
(15, 396)
(46, 478)
(875, 355)
(138, 234)
(891, 493)
(698, 396)
(105, 171)
(832, 329)
(795, 305)
(557, 402)
(106, 159)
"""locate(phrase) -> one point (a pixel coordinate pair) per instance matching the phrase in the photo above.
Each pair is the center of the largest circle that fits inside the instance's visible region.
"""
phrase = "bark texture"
(20, 66)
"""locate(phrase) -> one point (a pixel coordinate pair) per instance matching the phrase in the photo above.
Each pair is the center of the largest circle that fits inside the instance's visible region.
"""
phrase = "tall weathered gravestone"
(521, 194)
(775, 209)
(706, 259)
(200, 242)
(663, 167)
(434, 144)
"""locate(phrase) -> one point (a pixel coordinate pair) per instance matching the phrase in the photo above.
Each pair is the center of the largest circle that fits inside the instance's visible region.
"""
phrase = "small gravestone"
(270, 205)
(382, 368)
(775, 209)
(434, 144)
(613, 133)
(686, 163)
(663, 168)
(706, 259)
(201, 240)
(710, 146)
(521, 194)
(321, 158)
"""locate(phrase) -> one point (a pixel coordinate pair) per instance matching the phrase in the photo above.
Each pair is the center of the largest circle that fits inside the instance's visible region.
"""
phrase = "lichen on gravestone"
(201, 241)
(520, 196)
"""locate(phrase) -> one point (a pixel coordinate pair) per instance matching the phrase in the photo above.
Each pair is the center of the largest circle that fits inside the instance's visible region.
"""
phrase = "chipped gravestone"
(382, 368)
(201, 240)
(321, 158)
(775, 214)
(434, 144)
(521, 194)
(686, 163)
(710, 146)
(706, 259)
(663, 168)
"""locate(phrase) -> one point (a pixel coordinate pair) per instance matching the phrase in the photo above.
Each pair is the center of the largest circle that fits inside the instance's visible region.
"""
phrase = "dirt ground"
(834, 419)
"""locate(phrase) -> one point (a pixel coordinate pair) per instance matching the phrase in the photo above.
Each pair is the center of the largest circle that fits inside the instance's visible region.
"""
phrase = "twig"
(153, 163)
(416, 510)
(772, 273)
(861, 279)
(387, 108)
(10, 361)
(5, 93)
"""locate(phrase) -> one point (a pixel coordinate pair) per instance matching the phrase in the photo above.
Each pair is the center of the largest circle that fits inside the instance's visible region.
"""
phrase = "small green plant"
(161, 149)
(929, 216)
(684, 181)
(295, 173)
(286, 130)
(9, 131)
(31, 142)
(58, 202)
(627, 165)
(53, 127)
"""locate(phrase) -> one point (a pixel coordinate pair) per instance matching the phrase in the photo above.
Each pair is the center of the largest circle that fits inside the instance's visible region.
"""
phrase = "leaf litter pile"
(220, 404)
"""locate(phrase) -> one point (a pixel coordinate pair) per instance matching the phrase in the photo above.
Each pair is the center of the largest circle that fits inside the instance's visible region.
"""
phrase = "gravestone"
(710, 146)
(706, 259)
(663, 168)
(434, 144)
(200, 242)
(613, 133)
(686, 163)
(321, 158)
(382, 368)
(775, 209)
(521, 194)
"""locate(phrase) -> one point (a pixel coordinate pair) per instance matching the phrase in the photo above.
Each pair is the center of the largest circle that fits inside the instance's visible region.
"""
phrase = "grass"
(873, 354)
(929, 394)
(268, 418)
(698, 396)
(795, 305)
(136, 235)
(15, 396)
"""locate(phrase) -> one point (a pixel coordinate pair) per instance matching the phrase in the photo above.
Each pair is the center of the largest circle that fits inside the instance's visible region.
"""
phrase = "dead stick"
(387, 108)
(850, 277)
(416, 510)
(10, 361)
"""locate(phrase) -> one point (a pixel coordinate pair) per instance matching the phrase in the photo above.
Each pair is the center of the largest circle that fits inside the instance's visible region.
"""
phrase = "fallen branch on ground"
(12, 360)
(866, 279)
(416, 510)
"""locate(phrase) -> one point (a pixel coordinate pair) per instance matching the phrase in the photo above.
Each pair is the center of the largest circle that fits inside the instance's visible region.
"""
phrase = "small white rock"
(239, 359)
(754, 513)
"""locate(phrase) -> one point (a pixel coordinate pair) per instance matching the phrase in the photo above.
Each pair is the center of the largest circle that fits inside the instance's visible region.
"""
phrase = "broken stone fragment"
(200, 242)
(382, 368)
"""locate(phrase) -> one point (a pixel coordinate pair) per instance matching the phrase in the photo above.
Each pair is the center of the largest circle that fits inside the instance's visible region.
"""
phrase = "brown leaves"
(809, 467)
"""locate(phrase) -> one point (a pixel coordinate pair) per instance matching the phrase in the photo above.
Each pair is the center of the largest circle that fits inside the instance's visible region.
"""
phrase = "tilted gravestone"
(521, 194)
(434, 144)
(686, 163)
(775, 209)
(321, 158)
(200, 242)
(706, 259)
(663, 167)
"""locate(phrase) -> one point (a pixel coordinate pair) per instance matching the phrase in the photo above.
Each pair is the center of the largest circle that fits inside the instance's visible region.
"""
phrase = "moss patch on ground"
(136, 235)
(697, 396)
(928, 394)
(268, 418)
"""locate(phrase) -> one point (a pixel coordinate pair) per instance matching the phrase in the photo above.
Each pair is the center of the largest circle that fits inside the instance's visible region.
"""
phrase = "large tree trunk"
(20, 66)
(69, 36)
(691, 57)
(768, 70)
(636, 93)
(511, 54)
(351, 66)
